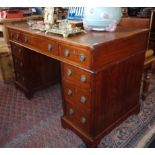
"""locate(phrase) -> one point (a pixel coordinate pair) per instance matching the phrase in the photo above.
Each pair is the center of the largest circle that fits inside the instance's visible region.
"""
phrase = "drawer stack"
(77, 97)
(77, 91)
(21, 65)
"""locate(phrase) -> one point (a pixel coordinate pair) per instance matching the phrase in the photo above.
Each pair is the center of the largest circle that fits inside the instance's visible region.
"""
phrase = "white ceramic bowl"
(101, 17)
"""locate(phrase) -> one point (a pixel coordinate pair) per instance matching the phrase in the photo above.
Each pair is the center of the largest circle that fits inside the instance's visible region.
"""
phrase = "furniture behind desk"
(100, 74)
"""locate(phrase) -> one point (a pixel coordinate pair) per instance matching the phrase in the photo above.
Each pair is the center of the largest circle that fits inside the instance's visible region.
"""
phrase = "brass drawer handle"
(66, 53)
(17, 75)
(11, 35)
(23, 79)
(49, 47)
(69, 92)
(83, 78)
(83, 99)
(25, 39)
(16, 61)
(17, 36)
(20, 50)
(71, 111)
(83, 120)
(21, 64)
(69, 72)
(14, 47)
(82, 57)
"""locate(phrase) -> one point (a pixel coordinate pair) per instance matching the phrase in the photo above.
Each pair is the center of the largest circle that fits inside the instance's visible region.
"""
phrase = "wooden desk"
(8, 21)
(100, 74)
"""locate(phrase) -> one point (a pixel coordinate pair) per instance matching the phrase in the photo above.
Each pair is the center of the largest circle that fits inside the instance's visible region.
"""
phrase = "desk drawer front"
(78, 97)
(15, 35)
(17, 51)
(80, 56)
(47, 47)
(81, 119)
(19, 64)
(77, 76)
(21, 79)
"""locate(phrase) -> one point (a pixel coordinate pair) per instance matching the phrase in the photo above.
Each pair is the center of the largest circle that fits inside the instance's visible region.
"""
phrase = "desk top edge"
(89, 39)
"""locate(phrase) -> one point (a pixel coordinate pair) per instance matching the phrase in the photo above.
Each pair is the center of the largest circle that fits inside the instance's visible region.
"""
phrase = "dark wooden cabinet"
(100, 74)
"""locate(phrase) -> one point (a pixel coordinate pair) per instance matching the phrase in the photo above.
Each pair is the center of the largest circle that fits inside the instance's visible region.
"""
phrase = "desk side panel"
(114, 51)
(117, 92)
(119, 67)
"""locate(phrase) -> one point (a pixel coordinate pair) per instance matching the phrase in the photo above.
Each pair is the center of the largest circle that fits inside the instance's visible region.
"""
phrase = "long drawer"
(48, 47)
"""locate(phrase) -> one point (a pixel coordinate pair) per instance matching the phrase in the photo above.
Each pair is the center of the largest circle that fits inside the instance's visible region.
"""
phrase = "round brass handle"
(17, 36)
(82, 57)
(11, 35)
(25, 39)
(49, 47)
(83, 78)
(20, 50)
(83, 99)
(69, 92)
(66, 53)
(23, 79)
(83, 120)
(21, 64)
(69, 72)
(71, 111)
(17, 75)
(14, 47)
(16, 61)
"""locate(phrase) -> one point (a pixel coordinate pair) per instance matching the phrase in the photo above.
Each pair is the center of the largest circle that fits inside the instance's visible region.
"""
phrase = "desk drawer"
(17, 50)
(76, 76)
(14, 35)
(47, 47)
(78, 97)
(80, 56)
(81, 119)
(21, 79)
(19, 64)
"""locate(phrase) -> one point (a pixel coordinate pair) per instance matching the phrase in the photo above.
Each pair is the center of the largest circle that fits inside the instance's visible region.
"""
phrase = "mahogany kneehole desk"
(100, 74)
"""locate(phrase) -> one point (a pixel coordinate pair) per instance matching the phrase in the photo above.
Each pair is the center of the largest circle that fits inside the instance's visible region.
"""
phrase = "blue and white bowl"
(101, 18)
